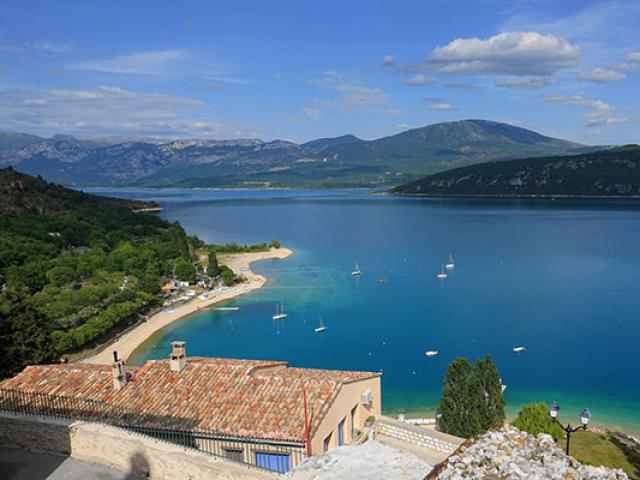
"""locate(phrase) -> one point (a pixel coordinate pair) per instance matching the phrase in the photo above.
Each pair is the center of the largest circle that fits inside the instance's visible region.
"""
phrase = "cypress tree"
(458, 410)
(492, 415)
(213, 269)
(472, 400)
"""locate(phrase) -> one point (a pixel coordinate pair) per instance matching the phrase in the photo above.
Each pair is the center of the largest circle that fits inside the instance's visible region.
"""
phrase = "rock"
(511, 454)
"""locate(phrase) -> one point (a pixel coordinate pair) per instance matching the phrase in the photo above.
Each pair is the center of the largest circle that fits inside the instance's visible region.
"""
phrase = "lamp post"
(585, 416)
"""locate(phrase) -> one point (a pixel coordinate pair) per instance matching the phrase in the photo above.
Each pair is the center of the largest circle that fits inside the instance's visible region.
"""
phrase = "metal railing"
(250, 451)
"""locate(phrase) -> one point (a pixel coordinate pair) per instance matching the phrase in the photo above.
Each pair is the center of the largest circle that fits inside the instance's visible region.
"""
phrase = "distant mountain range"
(613, 172)
(345, 161)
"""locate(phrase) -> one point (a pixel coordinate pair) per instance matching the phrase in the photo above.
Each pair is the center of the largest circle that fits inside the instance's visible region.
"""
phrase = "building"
(252, 411)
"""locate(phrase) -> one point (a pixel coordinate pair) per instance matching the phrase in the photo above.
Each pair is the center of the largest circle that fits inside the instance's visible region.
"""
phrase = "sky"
(300, 69)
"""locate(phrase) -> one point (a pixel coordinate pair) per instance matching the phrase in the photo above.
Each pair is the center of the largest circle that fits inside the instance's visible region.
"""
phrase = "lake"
(561, 278)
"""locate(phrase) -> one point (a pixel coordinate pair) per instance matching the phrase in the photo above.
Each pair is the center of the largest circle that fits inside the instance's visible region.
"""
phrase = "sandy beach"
(240, 263)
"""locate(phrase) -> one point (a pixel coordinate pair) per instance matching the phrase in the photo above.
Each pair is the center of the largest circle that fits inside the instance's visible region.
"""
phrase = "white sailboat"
(280, 312)
(442, 275)
(321, 328)
(356, 272)
(431, 353)
(450, 264)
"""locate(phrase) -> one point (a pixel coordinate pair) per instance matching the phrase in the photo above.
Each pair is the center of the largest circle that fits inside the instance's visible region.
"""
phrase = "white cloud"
(632, 57)
(403, 125)
(312, 113)
(158, 63)
(602, 113)
(109, 110)
(388, 61)
(509, 53)
(229, 80)
(419, 81)
(49, 48)
(525, 83)
(442, 106)
(601, 75)
(350, 94)
(460, 85)
(435, 103)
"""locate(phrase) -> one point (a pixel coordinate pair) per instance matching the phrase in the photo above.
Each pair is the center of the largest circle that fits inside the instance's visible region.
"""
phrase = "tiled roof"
(262, 399)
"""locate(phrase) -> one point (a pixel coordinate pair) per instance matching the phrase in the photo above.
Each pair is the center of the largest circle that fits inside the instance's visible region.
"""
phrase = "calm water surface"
(559, 277)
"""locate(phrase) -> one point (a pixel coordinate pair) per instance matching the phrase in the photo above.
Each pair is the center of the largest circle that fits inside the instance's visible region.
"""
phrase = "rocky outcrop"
(511, 454)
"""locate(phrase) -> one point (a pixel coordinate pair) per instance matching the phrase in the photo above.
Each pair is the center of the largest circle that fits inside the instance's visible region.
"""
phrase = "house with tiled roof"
(276, 415)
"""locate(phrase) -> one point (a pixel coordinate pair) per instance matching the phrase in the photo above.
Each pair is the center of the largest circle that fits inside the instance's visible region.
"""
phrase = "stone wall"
(34, 433)
(418, 436)
(155, 459)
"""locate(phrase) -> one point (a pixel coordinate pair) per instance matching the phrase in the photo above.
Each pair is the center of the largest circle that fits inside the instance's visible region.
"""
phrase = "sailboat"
(356, 272)
(280, 312)
(450, 264)
(442, 275)
(321, 328)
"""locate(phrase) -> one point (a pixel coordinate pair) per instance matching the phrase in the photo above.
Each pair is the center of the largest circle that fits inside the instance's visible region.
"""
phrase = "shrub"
(534, 418)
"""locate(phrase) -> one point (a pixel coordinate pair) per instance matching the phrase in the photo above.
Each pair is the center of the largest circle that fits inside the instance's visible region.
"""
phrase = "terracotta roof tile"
(262, 399)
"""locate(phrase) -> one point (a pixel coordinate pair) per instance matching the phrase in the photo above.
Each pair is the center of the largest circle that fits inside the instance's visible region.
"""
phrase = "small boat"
(442, 275)
(431, 353)
(518, 349)
(227, 309)
(450, 264)
(356, 272)
(321, 328)
(280, 312)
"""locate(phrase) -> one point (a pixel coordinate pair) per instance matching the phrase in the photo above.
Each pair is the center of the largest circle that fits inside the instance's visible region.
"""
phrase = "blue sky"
(305, 69)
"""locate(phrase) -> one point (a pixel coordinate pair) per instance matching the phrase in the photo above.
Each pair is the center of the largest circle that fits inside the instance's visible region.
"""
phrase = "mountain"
(322, 143)
(606, 173)
(345, 161)
(11, 140)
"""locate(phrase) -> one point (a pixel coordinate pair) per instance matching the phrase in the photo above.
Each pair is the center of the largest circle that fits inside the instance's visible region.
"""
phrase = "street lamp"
(585, 417)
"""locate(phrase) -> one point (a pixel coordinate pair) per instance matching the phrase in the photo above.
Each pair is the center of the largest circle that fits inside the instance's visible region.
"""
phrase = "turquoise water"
(560, 277)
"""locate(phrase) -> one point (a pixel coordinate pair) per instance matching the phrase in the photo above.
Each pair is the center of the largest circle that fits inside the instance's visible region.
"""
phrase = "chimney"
(178, 357)
(119, 373)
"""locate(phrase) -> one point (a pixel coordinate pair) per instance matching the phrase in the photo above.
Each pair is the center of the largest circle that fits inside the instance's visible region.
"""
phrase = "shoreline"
(240, 263)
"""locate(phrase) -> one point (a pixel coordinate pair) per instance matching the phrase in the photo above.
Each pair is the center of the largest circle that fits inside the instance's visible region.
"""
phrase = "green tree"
(185, 271)
(534, 418)
(274, 244)
(25, 334)
(461, 402)
(472, 400)
(493, 401)
(213, 269)
(227, 275)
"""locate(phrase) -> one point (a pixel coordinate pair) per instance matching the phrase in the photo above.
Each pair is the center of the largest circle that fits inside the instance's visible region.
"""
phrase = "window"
(341, 432)
(326, 442)
(276, 462)
(235, 454)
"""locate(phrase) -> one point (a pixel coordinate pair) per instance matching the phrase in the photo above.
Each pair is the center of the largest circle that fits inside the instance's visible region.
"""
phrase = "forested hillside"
(608, 173)
(75, 266)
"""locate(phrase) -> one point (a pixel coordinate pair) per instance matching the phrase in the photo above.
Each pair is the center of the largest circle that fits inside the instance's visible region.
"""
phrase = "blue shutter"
(276, 462)
(341, 433)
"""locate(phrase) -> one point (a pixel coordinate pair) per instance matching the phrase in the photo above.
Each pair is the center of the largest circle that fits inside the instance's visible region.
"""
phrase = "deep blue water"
(560, 277)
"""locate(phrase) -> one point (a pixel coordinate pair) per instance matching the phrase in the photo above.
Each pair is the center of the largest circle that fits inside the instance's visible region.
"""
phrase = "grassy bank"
(597, 449)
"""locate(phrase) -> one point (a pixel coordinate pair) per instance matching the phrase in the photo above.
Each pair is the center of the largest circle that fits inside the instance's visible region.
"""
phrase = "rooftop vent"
(118, 373)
